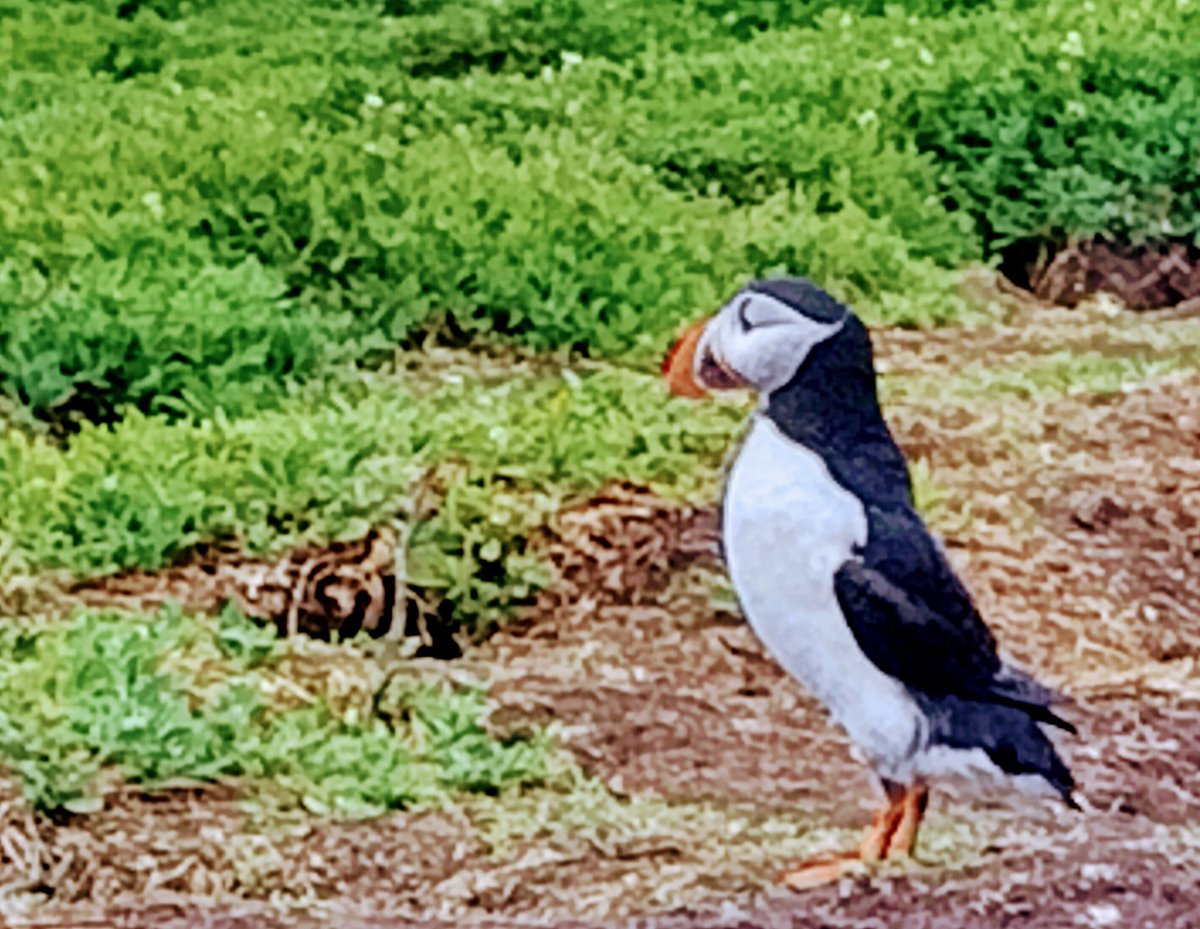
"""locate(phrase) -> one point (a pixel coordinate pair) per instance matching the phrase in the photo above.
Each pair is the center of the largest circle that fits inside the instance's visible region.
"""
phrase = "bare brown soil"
(1073, 520)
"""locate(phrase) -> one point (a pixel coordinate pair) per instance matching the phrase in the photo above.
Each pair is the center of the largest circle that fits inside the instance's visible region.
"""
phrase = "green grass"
(737, 847)
(111, 699)
(372, 193)
(496, 456)
(169, 334)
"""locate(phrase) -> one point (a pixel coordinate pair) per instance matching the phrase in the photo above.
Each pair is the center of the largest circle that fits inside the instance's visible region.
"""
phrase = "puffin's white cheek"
(742, 358)
(778, 370)
(766, 364)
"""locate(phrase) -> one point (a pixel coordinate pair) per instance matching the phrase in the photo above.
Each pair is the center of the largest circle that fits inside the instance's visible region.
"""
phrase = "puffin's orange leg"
(875, 844)
(901, 844)
(893, 833)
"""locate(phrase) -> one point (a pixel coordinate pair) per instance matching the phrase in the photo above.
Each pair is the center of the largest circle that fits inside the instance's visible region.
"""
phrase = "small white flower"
(926, 56)
(152, 200)
(374, 101)
(572, 58)
(1072, 44)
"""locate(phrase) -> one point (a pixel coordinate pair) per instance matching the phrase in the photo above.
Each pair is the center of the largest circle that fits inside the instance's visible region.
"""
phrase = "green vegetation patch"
(246, 185)
(565, 174)
(473, 470)
(964, 130)
(735, 846)
(110, 698)
(1077, 121)
(1067, 374)
(170, 334)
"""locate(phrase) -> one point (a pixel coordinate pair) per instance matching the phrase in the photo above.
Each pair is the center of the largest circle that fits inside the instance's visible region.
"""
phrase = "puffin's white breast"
(788, 527)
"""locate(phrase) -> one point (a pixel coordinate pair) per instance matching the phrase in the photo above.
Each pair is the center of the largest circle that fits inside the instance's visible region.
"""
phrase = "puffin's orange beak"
(680, 364)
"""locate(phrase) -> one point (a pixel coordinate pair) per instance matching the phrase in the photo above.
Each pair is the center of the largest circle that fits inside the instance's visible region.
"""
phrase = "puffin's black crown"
(803, 296)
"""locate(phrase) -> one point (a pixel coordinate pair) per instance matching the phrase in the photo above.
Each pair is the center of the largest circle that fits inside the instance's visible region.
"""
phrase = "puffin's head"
(759, 339)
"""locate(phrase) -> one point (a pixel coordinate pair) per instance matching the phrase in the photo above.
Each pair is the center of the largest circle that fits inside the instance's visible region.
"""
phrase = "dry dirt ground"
(703, 770)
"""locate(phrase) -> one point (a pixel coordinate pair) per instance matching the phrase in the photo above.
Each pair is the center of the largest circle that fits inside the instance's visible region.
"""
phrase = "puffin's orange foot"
(892, 835)
(816, 872)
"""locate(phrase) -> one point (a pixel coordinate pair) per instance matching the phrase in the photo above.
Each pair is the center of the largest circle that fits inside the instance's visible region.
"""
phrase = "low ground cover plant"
(109, 699)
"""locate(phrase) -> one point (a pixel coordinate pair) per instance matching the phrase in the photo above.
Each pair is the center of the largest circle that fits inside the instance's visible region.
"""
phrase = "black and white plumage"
(838, 574)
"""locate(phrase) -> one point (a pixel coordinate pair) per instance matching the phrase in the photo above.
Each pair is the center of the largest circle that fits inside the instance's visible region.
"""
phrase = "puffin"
(841, 579)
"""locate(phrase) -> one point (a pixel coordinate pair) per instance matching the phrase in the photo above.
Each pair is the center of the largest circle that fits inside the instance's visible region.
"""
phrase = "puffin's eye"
(742, 317)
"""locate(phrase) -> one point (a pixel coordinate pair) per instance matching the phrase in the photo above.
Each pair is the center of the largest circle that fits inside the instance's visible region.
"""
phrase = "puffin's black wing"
(914, 619)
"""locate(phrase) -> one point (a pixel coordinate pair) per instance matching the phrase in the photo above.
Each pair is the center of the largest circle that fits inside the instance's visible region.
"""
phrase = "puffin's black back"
(831, 405)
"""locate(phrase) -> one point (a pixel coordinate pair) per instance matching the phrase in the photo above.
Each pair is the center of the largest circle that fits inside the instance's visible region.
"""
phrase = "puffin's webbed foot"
(892, 835)
(822, 870)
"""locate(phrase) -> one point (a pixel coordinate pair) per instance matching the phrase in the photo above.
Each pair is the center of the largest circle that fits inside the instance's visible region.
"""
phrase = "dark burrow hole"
(1149, 276)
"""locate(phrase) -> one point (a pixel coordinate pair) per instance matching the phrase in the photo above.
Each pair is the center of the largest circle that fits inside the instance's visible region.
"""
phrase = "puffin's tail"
(1009, 734)
(1013, 687)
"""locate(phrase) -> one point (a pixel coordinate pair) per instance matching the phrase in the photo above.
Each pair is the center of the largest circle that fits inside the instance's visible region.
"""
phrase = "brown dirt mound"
(1134, 510)
(1143, 277)
(623, 545)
